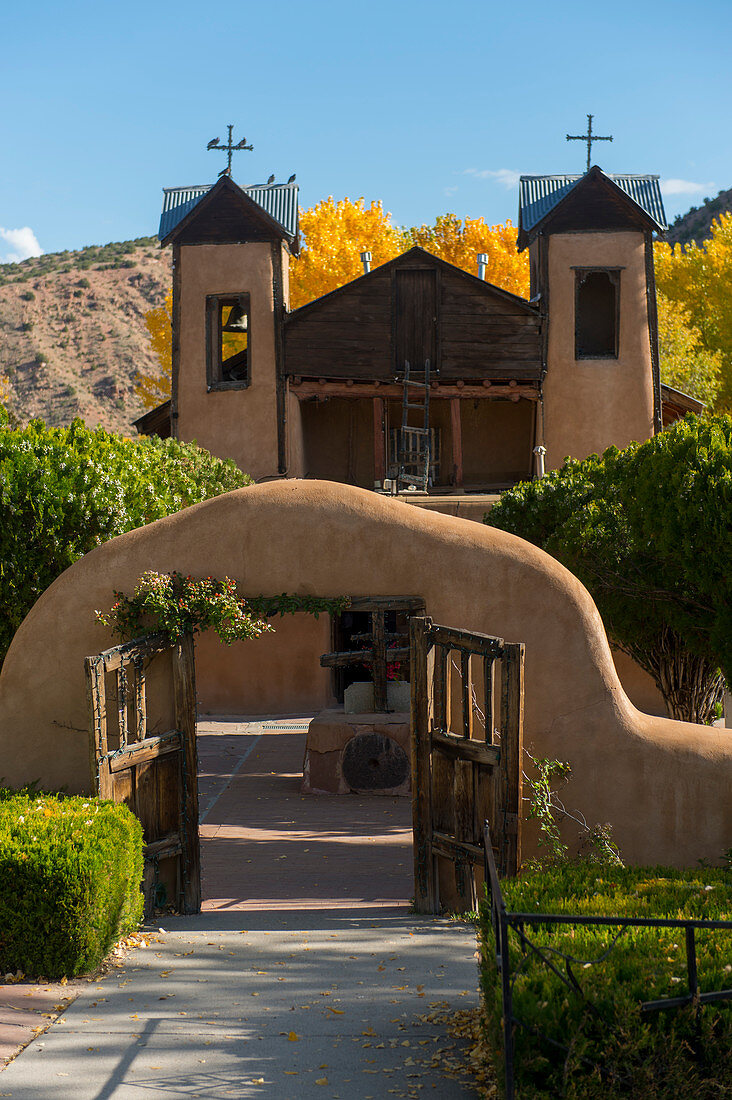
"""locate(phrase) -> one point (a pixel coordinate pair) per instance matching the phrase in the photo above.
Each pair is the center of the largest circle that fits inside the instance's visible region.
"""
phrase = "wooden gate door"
(155, 775)
(466, 766)
(415, 318)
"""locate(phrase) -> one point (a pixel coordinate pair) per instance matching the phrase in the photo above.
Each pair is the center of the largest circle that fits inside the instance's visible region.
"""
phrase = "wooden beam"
(458, 748)
(184, 688)
(425, 893)
(457, 443)
(379, 439)
(144, 751)
(378, 664)
(475, 392)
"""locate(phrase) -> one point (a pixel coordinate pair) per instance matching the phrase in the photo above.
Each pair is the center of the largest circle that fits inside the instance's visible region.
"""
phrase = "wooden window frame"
(377, 607)
(214, 363)
(580, 275)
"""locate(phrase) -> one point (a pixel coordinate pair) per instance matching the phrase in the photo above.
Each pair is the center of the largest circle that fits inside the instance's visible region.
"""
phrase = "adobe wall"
(591, 404)
(278, 673)
(663, 785)
(234, 423)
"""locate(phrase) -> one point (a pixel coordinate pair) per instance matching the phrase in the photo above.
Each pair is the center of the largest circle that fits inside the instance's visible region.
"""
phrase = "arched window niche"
(597, 313)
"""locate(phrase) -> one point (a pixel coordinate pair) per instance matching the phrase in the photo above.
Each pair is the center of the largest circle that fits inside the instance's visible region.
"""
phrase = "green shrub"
(71, 870)
(64, 491)
(643, 1055)
(646, 529)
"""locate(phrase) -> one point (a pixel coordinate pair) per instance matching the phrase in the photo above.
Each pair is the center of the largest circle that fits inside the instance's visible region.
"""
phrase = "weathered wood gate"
(155, 775)
(466, 767)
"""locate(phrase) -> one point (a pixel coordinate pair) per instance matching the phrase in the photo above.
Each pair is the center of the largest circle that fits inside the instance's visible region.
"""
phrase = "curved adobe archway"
(663, 785)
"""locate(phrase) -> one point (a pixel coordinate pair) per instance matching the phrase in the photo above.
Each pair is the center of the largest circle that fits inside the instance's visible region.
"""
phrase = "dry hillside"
(72, 332)
(695, 225)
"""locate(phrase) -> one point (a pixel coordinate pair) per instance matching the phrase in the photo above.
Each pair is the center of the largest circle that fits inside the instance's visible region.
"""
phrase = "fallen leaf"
(318, 1081)
(293, 1037)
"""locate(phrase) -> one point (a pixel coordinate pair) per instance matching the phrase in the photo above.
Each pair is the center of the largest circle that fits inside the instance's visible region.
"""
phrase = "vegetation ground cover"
(71, 869)
(600, 1045)
(646, 529)
(64, 491)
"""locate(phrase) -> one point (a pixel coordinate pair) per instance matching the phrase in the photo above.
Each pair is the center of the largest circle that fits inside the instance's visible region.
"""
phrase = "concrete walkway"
(302, 977)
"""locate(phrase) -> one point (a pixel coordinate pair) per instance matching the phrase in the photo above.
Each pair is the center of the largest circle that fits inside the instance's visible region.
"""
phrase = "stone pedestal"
(357, 754)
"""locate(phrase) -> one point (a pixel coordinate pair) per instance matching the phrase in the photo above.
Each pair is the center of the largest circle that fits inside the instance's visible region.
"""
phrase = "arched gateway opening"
(646, 776)
(243, 812)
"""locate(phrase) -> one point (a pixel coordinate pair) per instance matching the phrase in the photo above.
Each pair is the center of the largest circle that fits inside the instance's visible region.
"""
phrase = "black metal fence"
(505, 922)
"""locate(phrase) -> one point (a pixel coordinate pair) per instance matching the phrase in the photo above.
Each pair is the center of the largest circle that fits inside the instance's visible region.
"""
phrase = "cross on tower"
(229, 149)
(589, 137)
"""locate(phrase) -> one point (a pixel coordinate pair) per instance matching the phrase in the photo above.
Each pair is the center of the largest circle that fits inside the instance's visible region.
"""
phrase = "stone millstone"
(374, 762)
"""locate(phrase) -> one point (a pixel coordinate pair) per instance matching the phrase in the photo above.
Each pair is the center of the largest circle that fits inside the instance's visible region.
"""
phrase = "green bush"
(64, 491)
(643, 1055)
(646, 529)
(71, 870)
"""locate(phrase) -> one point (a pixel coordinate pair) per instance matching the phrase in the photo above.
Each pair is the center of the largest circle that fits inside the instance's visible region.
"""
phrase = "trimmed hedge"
(70, 870)
(643, 1055)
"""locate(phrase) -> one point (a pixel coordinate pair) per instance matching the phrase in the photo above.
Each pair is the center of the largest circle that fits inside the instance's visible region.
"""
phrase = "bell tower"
(590, 242)
(230, 293)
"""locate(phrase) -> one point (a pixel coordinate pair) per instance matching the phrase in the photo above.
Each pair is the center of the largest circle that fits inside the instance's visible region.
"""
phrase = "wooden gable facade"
(346, 352)
(416, 307)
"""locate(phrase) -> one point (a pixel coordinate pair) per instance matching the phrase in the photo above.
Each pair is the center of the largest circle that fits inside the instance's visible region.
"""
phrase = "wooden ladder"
(414, 440)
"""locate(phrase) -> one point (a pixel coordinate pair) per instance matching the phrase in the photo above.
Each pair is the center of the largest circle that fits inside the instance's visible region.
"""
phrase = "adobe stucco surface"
(663, 785)
(591, 404)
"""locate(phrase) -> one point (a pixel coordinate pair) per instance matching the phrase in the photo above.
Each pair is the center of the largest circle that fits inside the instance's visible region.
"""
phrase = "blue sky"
(429, 106)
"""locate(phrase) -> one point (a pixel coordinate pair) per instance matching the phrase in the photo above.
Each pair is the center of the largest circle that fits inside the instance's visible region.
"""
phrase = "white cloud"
(509, 177)
(685, 187)
(450, 191)
(22, 242)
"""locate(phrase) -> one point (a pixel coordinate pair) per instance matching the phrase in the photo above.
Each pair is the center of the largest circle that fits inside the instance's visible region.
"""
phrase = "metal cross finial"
(229, 149)
(589, 137)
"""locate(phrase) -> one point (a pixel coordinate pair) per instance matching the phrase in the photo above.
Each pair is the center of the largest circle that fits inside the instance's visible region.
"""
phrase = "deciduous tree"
(154, 389)
(460, 242)
(699, 279)
(646, 529)
(64, 491)
(685, 363)
(334, 233)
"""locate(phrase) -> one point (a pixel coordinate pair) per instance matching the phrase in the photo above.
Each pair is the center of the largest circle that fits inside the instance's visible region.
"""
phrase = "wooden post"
(467, 686)
(425, 900)
(122, 704)
(378, 663)
(96, 694)
(441, 688)
(379, 440)
(140, 700)
(184, 683)
(509, 778)
(457, 443)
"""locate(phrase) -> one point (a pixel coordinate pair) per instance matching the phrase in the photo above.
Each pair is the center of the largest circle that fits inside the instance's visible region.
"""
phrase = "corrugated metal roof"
(539, 195)
(278, 199)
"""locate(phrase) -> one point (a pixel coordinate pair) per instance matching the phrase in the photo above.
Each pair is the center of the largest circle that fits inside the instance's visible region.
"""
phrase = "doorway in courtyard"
(268, 836)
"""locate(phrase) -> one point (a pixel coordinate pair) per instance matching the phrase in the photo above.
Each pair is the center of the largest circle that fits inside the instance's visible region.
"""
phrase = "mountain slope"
(72, 331)
(695, 225)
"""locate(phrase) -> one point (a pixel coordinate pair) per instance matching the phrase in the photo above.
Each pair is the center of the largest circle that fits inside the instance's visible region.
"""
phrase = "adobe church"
(417, 376)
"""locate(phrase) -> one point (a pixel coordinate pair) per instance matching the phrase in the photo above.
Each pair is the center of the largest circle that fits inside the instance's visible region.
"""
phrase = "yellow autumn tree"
(698, 279)
(685, 362)
(334, 234)
(154, 388)
(459, 242)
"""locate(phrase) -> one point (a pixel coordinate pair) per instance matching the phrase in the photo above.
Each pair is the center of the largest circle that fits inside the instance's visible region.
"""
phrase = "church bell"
(237, 321)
